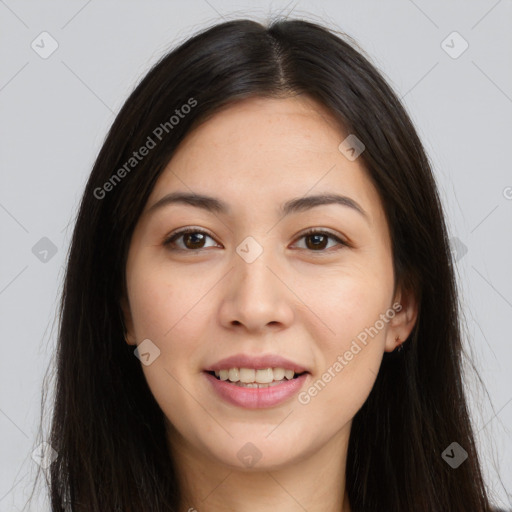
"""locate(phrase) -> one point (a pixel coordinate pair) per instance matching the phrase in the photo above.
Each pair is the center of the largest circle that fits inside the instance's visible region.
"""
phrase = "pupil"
(189, 235)
(315, 244)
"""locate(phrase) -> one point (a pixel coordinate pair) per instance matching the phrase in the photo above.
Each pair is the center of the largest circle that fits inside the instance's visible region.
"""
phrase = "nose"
(256, 296)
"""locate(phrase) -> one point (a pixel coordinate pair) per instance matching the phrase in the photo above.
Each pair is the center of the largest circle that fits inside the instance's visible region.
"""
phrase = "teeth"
(279, 373)
(250, 375)
(247, 375)
(265, 376)
(289, 374)
(234, 375)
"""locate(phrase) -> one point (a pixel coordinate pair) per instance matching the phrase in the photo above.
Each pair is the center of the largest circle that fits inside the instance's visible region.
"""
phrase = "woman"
(260, 310)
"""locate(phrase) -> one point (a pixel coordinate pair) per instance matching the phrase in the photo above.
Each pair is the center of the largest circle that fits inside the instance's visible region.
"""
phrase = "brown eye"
(193, 239)
(317, 241)
(196, 240)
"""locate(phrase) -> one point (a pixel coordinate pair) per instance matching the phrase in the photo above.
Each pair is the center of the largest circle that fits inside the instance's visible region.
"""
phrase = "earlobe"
(402, 324)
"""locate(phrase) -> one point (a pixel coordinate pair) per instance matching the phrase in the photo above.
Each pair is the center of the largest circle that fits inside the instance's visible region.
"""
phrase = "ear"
(128, 322)
(405, 306)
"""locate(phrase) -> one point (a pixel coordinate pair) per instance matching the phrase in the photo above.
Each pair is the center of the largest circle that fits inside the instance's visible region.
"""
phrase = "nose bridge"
(252, 262)
(256, 296)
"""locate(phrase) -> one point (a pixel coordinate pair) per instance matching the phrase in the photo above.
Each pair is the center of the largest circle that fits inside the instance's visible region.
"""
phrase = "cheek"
(166, 311)
(350, 351)
(349, 359)
(169, 308)
(352, 301)
(161, 301)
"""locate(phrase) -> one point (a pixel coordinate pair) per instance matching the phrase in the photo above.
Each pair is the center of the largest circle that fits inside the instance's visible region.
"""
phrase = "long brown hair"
(108, 430)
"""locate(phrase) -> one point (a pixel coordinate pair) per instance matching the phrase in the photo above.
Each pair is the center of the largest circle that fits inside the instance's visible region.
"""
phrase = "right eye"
(193, 239)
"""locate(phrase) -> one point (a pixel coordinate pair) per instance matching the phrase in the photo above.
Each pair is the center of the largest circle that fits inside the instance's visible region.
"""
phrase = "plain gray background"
(55, 112)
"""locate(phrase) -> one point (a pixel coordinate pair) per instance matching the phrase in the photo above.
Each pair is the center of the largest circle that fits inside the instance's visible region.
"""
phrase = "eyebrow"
(297, 205)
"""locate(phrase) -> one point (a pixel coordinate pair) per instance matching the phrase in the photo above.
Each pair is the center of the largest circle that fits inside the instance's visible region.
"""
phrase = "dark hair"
(107, 428)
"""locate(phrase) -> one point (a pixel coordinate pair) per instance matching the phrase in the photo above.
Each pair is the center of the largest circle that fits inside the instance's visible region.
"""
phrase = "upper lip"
(257, 362)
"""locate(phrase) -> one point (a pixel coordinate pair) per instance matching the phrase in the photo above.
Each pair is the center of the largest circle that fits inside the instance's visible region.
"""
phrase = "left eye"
(319, 239)
(195, 238)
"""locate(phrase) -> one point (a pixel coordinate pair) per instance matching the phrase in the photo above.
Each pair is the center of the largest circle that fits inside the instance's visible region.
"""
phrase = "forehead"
(269, 127)
(267, 151)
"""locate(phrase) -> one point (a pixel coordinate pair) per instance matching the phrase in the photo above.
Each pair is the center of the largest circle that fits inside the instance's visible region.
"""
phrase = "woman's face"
(248, 283)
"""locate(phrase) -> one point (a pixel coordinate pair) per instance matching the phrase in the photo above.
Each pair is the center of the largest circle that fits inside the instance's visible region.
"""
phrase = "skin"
(304, 303)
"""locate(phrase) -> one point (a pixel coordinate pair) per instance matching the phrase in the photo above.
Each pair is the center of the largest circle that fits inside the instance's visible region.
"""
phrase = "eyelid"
(179, 232)
(324, 231)
(310, 231)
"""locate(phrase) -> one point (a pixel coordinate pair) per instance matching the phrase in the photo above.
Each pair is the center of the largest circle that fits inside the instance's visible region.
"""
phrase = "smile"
(253, 376)
(229, 385)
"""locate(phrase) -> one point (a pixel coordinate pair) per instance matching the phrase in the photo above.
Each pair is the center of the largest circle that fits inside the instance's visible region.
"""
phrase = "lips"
(253, 395)
(257, 363)
(256, 398)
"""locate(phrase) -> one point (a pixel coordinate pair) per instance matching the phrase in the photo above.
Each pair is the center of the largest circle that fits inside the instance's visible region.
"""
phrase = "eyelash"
(312, 231)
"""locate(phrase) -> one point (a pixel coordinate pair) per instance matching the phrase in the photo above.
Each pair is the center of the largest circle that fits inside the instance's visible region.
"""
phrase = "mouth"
(256, 381)
(231, 388)
(256, 378)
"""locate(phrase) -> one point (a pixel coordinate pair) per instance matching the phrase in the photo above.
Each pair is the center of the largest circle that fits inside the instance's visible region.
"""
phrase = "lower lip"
(256, 398)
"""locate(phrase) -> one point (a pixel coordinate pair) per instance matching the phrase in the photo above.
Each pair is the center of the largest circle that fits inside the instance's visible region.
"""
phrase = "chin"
(251, 454)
